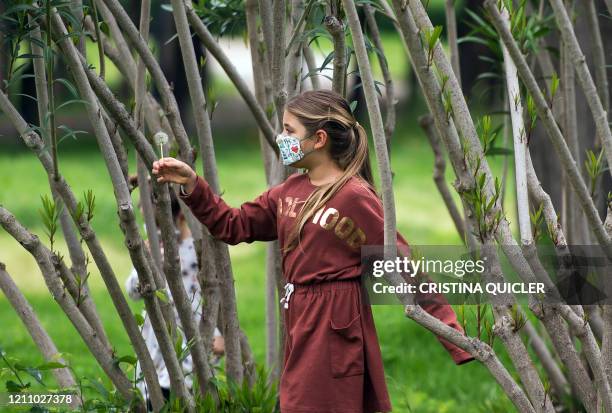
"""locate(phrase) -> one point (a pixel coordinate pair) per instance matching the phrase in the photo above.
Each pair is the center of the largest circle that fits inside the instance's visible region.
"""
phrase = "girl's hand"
(173, 170)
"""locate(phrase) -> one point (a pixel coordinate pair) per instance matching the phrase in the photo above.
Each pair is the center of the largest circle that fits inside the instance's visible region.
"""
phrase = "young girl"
(321, 218)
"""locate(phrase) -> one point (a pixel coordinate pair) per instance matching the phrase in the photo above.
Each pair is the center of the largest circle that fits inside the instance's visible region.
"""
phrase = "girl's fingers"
(170, 162)
(165, 164)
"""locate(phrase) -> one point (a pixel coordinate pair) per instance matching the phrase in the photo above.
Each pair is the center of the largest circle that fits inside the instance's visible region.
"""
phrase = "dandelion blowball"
(161, 138)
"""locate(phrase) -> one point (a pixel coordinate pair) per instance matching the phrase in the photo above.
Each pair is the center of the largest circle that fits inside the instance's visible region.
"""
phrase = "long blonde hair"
(328, 110)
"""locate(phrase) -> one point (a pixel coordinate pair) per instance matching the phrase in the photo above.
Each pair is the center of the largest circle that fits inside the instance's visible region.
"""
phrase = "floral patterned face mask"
(290, 148)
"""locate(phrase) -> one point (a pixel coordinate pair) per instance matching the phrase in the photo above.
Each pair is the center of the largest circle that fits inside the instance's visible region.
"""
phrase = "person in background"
(189, 272)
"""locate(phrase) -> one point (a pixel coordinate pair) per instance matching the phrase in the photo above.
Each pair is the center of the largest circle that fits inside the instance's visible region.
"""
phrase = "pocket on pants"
(346, 348)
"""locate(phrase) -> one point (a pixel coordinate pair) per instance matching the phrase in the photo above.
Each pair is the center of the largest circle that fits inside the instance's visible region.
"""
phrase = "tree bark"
(426, 122)
(39, 335)
(584, 76)
(169, 103)
(228, 301)
(390, 99)
(229, 68)
(42, 255)
(552, 129)
(35, 143)
(335, 27)
(123, 199)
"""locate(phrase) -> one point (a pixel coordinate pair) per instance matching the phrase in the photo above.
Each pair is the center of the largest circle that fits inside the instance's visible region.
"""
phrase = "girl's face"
(311, 145)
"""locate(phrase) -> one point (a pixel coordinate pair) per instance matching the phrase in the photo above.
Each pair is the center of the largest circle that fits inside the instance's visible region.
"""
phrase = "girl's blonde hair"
(328, 110)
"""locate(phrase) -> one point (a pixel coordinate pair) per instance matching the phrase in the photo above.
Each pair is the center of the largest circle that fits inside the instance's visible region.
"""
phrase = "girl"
(189, 272)
(332, 360)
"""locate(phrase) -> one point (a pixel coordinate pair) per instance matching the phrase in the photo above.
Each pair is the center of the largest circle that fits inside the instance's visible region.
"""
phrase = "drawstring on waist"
(291, 288)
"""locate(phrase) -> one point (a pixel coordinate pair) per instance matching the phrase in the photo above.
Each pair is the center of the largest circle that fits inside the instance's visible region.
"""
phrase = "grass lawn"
(421, 375)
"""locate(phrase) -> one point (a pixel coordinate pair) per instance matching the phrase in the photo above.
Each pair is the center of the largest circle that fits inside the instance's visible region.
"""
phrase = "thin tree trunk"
(77, 257)
(584, 76)
(294, 60)
(125, 63)
(275, 16)
(42, 255)
(258, 60)
(312, 66)
(606, 341)
(34, 142)
(566, 350)
(599, 55)
(390, 99)
(198, 100)
(123, 199)
(591, 351)
(211, 45)
(451, 29)
(519, 138)
(169, 103)
(553, 372)
(39, 335)
(552, 129)
(333, 24)
(439, 176)
(376, 121)
(85, 303)
(76, 8)
(267, 26)
(120, 150)
(147, 153)
(277, 58)
(569, 212)
(139, 115)
(520, 148)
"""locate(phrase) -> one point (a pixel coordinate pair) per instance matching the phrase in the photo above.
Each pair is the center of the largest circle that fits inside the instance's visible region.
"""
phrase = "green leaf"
(161, 294)
(68, 86)
(13, 387)
(481, 180)
(51, 365)
(554, 85)
(127, 359)
(33, 372)
(500, 151)
(139, 319)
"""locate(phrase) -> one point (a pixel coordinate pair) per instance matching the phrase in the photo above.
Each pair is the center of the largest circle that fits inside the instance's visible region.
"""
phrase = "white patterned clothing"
(189, 272)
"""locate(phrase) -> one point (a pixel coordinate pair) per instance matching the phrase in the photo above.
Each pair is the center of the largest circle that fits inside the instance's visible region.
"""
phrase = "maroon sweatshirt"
(329, 250)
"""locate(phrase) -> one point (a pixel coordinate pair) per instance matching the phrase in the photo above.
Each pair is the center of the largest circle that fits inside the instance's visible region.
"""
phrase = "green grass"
(421, 375)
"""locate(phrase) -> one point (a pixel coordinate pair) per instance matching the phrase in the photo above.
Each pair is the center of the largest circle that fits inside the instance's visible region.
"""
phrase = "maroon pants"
(332, 360)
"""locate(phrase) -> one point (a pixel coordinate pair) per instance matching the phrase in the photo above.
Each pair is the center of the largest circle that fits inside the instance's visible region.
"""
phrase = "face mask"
(290, 148)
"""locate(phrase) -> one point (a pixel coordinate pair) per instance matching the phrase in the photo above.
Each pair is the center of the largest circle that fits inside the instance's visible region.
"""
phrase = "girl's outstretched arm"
(252, 221)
